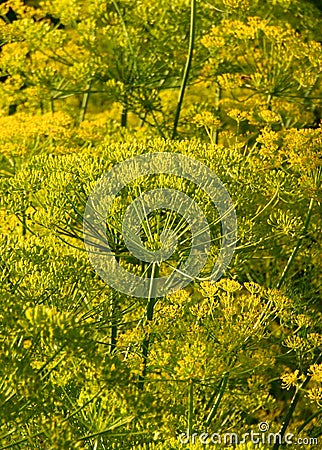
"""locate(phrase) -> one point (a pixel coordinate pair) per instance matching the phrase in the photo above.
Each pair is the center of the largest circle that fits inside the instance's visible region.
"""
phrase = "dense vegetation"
(234, 84)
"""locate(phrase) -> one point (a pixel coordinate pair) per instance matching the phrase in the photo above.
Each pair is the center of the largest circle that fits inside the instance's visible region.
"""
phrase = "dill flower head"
(291, 379)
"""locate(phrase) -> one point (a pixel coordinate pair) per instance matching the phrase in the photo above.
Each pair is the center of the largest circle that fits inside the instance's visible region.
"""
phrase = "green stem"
(187, 67)
(190, 410)
(114, 327)
(124, 116)
(308, 420)
(127, 36)
(218, 97)
(52, 106)
(219, 397)
(149, 316)
(84, 102)
(24, 223)
(297, 247)
(269, 102)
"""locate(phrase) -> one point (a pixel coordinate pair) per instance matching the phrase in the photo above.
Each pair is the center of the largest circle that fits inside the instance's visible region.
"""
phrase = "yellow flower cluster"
(315, 395)
(257, 83)
(237, 5)
(67, 10)
(291, 379)
(206, 119)
(296, 342)
(19, 7)
(303, 148)
(22, 132)
(237, 115)
(269, 116)
(316, 372)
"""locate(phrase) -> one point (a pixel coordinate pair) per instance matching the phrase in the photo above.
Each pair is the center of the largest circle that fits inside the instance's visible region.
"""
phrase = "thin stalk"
(237, 134)
(143, 119)
(114, 327)
(219, 397)
(190, 410)
(108, 431)
(84, 102)
(127, 36)
(52, 106)
(297, 247)
(24, 223)
(149, 316)
(187, 67)
(124, 116)
(288, 417)
(23, 218)
(218, 97)
(312, 416)
(269, 102)
(157, 125)
(114, 324)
